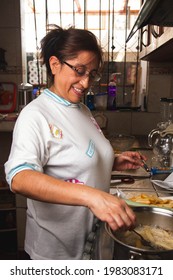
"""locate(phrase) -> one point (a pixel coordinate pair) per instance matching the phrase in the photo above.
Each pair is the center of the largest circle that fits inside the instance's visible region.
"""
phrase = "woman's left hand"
(128, 160)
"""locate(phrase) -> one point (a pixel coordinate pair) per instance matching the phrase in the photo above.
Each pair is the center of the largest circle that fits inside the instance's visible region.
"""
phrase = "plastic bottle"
(112, 89)
(157, 170)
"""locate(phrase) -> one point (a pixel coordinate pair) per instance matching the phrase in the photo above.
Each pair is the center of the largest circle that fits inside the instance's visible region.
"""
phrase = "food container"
(152, 216)
(100, 101)
(25, 95)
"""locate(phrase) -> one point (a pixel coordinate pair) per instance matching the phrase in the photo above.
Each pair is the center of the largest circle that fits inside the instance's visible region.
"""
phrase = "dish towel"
(166, 184)
(168, 130)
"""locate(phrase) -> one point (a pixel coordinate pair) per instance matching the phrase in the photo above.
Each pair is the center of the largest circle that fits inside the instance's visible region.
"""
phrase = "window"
(110, 20)
(106, 19)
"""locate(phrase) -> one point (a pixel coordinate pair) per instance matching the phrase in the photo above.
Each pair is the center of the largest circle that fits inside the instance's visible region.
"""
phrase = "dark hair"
(67, 43)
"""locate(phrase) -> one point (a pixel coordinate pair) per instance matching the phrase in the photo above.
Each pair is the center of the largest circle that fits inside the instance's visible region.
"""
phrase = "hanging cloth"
(37, 48)
(60, 15)
(167, 130)
(46, 13)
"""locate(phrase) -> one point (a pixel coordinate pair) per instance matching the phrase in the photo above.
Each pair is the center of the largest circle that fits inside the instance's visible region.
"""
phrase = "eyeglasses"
(81, 71)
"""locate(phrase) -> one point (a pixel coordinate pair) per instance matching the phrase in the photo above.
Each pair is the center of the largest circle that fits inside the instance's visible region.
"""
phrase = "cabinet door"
(8, 245)
(7, 219)
(7, 199)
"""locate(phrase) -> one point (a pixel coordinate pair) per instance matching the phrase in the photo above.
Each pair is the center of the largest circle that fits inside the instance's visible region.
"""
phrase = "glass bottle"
(166, 109)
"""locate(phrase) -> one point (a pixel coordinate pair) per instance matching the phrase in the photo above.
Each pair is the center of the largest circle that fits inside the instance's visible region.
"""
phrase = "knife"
(122, 176)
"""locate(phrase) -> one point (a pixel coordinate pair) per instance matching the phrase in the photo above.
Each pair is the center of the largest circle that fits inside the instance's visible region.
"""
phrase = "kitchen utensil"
(143, 240)
(125, 180)
(145, 166)
(123, 176)
(25, 95)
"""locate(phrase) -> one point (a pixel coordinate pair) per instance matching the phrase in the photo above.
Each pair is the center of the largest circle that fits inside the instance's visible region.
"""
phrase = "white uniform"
(63, 140)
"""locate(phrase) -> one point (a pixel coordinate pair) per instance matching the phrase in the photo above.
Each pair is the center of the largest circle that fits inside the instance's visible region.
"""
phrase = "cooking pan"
(152, 216)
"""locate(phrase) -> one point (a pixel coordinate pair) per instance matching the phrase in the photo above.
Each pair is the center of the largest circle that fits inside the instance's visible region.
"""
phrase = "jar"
(166, 109)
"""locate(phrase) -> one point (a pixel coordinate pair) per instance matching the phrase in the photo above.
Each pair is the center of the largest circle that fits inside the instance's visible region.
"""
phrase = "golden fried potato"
(152, 200)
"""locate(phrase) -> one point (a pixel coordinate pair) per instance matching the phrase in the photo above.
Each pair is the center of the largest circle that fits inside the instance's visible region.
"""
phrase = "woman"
(59, 158)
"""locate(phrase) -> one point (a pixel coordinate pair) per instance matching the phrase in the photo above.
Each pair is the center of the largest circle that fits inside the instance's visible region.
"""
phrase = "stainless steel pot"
(25, 95)
(153, 216)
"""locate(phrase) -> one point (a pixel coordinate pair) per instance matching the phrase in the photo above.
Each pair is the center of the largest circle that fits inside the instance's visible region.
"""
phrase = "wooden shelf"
(160, 50)
(11, 70)
(8, 229)
(7, 208)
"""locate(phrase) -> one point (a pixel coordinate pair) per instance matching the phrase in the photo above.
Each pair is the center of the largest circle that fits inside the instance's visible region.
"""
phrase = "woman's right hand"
(112, 210)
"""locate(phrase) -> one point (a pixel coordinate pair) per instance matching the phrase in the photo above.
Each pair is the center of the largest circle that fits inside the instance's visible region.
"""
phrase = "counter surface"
(141, 185)
(7, 124)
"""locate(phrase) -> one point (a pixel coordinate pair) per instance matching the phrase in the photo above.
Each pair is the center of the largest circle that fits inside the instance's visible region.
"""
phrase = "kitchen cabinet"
(157, 48)
(12, 206)
(8, 224)
(155, 24)
(157, 51)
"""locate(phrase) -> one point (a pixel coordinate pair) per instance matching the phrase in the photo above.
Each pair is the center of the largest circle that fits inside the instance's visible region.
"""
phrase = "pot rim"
(153, 209)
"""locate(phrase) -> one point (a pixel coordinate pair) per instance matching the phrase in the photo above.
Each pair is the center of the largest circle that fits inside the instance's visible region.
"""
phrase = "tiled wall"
(10, 40)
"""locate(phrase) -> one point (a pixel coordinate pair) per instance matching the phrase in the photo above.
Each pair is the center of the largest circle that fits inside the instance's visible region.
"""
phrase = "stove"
(99, 245)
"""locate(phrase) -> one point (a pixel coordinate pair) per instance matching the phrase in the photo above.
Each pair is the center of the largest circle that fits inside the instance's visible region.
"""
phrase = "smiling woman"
(70, 46)
(60, 159)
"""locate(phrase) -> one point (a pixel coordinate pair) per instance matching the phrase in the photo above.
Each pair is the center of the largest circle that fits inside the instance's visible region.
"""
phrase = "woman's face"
(67, 83)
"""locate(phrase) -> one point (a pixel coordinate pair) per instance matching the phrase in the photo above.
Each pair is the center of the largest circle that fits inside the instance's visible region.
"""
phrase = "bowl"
(122, 142)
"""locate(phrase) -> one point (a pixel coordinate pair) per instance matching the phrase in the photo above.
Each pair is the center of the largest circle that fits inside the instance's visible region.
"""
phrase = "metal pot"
(25, 95)
(153, 216)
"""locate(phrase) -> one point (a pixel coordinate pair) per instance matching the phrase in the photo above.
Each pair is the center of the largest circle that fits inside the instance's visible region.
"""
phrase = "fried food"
(160, 239)
(152, 200)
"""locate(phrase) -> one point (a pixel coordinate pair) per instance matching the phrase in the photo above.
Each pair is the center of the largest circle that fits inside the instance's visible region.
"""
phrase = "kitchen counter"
(7, 124)
(140, 185)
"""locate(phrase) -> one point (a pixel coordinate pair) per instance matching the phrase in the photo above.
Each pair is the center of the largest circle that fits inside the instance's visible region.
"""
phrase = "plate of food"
(145, 199)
